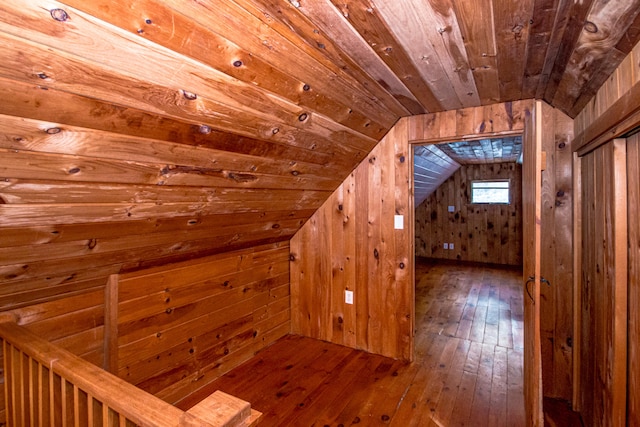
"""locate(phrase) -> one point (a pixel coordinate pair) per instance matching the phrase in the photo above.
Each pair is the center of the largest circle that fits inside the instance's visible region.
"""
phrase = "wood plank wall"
(350, 243)
(621, 82)
(487, 233)
(556, 261)
(181, 327)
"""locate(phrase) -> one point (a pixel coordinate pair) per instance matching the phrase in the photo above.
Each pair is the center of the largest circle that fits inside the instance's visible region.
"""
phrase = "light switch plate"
(452, 208)
(398, 222)
(446, 246)
(348, 297)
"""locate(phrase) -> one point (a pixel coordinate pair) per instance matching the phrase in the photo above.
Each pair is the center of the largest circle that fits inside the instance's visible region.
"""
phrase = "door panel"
(531, 200)
(603, 286)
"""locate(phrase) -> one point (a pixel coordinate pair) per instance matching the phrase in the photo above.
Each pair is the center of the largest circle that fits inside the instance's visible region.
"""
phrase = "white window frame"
(488, 181)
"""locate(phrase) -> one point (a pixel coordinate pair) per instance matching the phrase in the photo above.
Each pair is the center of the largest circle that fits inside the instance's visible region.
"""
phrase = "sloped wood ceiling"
(138, 132)
(431, 167)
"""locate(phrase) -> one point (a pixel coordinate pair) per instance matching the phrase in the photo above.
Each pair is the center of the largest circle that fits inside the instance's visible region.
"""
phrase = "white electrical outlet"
(446, 246)
(348, 297)
(451, 246)
(452, 208)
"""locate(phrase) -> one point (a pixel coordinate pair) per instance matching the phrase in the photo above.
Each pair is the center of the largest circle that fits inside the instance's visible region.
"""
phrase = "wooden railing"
(49, 386)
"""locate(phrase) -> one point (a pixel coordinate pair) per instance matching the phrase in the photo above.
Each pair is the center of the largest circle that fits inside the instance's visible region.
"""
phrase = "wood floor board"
(467, 369)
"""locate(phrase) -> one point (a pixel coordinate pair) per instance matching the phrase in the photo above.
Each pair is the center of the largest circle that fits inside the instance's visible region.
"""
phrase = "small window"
(495, 191)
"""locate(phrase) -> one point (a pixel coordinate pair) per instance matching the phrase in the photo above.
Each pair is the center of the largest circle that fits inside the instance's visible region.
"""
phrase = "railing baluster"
(40, 397)
(52, 398)
(89, 410)
(105, 415)
(32, 409)
(76, 406)
(23, 409)
(122, 420)
(9, 398)
(63, 400)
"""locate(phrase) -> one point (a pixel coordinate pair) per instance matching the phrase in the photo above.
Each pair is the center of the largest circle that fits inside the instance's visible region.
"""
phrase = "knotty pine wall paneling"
(379, 266)
(615, 102)
(182, 326)
(179, 326)
(489, 233)
(556, 260)
(351, 244)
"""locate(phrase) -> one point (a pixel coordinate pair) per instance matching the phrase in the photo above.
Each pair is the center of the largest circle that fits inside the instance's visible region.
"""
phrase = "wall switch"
(451, 246)
(446, 246)
(348, 297)
(452, 208)
(398, 222)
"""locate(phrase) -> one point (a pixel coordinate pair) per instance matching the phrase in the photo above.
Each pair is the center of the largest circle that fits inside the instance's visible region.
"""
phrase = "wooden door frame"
(617, 121)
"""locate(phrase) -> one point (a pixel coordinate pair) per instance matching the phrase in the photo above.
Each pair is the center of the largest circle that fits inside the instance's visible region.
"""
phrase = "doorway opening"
(467, 231)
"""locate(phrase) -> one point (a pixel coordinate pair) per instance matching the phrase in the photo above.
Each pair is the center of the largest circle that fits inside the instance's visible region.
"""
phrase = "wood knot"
(306, 88)
(402, 266)
(59, 15)
(302, 117)
(292, 257)
(590, 27)
(74, 171)
(376, 254)
(53, 131)
(237, 63)
(92, 243)
(189, 95)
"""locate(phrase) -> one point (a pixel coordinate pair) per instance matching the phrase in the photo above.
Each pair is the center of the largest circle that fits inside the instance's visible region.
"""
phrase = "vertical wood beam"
(111, 325)
(577, 278)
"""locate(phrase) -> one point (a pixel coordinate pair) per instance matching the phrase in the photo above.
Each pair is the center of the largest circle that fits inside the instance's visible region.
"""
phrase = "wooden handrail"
(125, 399)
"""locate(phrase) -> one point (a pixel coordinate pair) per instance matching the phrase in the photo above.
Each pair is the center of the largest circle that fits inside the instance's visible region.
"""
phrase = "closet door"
(603, 286)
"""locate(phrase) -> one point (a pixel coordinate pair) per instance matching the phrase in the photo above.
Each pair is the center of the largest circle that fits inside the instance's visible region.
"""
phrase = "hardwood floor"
(467, 369)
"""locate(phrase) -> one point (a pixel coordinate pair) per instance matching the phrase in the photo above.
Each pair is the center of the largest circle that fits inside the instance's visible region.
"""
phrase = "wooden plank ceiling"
(137, 132)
